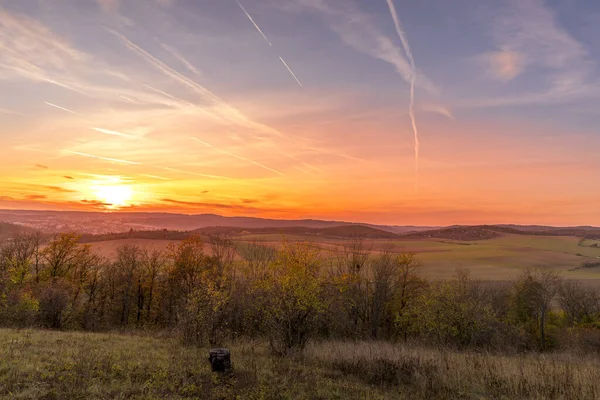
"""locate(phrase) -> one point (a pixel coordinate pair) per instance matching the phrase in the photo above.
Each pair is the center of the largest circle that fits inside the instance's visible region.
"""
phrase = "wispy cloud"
(113, 133)
(359, 30)
(77, 153)
(503, 65)
(178, 56)
(238, 156)
(530, 38)
(218, 108)
(438, 109)
(109, 5)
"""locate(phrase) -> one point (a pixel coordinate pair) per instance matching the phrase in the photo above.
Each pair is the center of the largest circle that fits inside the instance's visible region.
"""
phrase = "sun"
(114, 196)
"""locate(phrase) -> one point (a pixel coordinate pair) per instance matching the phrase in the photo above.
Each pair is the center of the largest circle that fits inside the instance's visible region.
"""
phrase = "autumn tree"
(534, 292)
(408, 287)
(292, 294)
(455, 313)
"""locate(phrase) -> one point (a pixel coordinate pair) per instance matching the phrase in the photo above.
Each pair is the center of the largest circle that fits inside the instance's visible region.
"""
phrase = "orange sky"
(108, 112)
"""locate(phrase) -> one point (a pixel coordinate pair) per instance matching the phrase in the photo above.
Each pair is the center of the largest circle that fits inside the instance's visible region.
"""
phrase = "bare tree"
(129, 262)
(257, 257)
(578, 302)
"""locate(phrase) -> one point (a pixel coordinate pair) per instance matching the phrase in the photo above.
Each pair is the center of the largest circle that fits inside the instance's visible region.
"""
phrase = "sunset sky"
(301, 108)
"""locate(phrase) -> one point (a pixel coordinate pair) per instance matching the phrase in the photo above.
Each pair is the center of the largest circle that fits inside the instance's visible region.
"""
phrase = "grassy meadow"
(36, 364)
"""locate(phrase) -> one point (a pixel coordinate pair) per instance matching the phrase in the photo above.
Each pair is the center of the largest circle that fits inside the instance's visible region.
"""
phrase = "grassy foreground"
(59, 365)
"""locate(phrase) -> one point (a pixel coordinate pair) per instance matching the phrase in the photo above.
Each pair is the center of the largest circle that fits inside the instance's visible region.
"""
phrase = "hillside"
(343, 231)
(105, 223)
(7, 229)
(76, 365)
(459, 233)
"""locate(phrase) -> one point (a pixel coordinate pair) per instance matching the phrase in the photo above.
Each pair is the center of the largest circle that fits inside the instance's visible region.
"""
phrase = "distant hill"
(342, 231)
(7, 229)
(460, 233)
(483, 232)
(104, 223)
(97, 223)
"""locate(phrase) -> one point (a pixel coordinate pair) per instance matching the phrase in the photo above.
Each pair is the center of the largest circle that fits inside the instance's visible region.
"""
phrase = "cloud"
(59, 189)
(116, 160)
(68, 177)
(438, 109)
(178, 56)
(503, 65)
(238, 156)
(36, 197)
(360, 31)
(40, 166)
(529, 37)
(165, 3)
(109, 5)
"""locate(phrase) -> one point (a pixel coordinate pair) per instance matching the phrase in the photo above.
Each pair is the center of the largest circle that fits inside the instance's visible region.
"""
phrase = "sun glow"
(114, 196)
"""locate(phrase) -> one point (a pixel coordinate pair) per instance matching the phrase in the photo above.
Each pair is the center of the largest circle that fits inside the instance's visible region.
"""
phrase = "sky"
(428, 112)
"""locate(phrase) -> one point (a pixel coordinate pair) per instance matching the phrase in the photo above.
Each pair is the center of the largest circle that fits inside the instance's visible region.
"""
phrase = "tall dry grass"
(418, 372)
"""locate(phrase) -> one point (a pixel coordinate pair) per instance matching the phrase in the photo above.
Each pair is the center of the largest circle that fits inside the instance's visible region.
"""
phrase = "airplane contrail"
(155, 177)
(113, 133)
(238, 157)
(291, 72)
(195, 173)
(222, 111)
(413, 77)
(253, 23)
(267, 40)
(101, 158)
(61, 108)
(181, 58)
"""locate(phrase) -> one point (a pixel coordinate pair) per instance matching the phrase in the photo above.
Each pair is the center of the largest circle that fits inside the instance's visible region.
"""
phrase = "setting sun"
(114, 196)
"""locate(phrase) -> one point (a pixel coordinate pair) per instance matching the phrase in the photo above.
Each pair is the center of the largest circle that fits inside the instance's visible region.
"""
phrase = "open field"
(66, 365)
(497, 259)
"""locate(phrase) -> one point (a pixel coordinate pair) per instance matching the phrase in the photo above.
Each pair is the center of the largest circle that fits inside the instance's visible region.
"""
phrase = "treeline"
(219, 290)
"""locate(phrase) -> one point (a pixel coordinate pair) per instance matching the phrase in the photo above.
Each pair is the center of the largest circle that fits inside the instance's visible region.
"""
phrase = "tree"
(578, 302)
(532, 300)
(455, 313)
(128, 262)
(63, 254)
(408, 287)
(16, 255)
(350, 270)
(292, 301)
(154, 262)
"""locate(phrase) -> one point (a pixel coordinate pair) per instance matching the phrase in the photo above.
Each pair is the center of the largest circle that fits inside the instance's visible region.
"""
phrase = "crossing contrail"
(413, 77)
(253, 23)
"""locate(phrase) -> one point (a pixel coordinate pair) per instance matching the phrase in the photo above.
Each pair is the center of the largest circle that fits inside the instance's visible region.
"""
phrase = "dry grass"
(67, 365)
(428, 373)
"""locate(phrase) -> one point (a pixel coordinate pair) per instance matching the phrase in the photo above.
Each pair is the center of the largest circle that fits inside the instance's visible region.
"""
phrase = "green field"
(497, 259)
